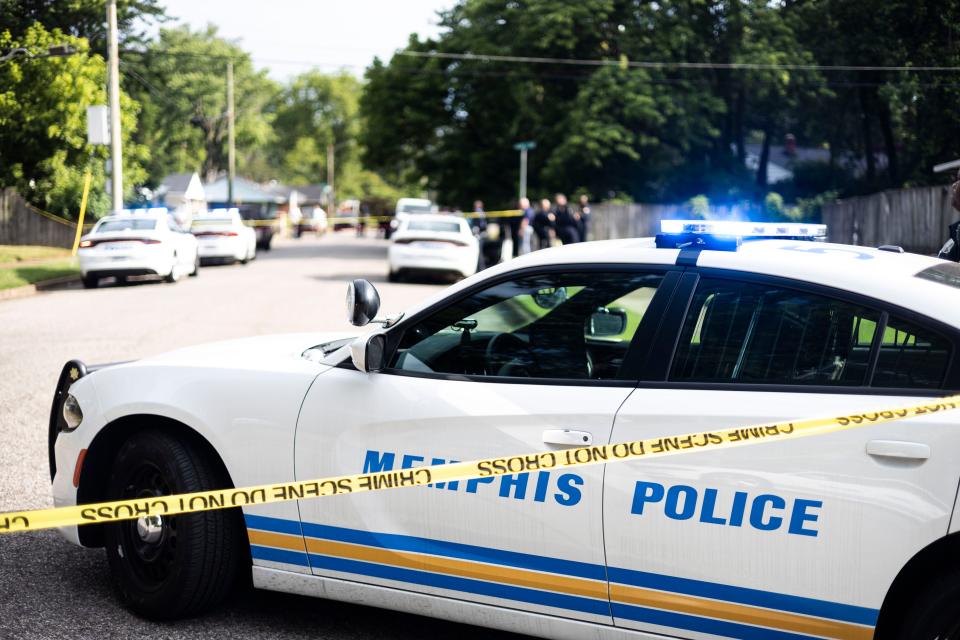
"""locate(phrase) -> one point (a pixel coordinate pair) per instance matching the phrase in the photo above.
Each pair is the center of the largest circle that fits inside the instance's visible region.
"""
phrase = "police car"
(147, 242)
(854, 534)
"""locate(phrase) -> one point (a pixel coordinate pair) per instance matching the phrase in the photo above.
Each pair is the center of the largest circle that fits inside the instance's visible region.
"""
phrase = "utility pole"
(523, 148)
(113, 88)
(330, 173)
(231, 139)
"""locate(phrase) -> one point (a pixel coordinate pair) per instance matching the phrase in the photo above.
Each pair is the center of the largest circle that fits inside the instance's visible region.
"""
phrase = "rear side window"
(762, 334)
(765, 334)
(911, 357)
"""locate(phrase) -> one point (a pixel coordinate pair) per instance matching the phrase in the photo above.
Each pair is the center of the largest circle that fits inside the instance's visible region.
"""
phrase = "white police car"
(854, 534)
(147, 242)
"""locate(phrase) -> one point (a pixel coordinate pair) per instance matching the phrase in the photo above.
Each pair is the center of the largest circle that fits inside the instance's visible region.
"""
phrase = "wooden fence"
(20, 224)
(915, 219)
(610, 221)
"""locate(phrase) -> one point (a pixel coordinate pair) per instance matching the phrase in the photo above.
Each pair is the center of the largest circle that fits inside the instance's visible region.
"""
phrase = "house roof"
(186, 184)
(244, 191)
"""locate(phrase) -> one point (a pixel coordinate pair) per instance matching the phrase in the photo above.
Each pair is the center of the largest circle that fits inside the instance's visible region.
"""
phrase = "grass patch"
(11, 277)
(13, 253)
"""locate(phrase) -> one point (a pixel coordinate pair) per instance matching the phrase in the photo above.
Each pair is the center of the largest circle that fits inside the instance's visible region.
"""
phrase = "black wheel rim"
(152, 557)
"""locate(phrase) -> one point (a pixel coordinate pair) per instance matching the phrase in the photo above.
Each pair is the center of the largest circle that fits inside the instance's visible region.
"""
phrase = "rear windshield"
(415, 208)
(426, 225)
(133, 224)
(947, 273)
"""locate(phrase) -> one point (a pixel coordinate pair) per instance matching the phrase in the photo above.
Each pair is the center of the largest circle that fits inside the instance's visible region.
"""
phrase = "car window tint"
(135, 224)
(444, 227)
(911, 357)
(762, 334)
(546, 326)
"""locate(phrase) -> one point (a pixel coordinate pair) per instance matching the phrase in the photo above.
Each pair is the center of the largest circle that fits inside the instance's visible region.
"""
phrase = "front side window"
(557, 325)
(764, 334)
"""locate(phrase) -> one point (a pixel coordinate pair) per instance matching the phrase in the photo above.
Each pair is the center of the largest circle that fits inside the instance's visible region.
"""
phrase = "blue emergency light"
(728, 235)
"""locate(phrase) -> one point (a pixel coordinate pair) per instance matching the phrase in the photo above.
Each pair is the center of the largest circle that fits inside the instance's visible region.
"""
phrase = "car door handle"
(898, 449)
(567, 437)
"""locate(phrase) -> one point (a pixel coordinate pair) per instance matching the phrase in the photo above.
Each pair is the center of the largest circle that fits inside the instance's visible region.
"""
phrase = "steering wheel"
(508, 355)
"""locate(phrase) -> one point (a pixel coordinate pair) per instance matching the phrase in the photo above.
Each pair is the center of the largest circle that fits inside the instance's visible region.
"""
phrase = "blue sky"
(290, 36)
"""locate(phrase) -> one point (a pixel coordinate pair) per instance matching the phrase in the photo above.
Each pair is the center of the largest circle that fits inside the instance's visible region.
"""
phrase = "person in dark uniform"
(516, 225)
(543, 224)
(567, 220)
(584, 217)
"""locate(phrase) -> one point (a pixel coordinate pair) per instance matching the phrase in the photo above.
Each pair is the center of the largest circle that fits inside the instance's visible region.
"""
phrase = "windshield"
(430, 225)
(132, 224)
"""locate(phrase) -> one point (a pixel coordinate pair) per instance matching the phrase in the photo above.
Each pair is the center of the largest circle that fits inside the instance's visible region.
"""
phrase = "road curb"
(31, 289)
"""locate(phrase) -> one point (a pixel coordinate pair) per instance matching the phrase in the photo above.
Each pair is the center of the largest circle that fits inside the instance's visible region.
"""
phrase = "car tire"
(934, 614)
(193, 561)
(196, 267)
(90, 282)
(393, 276)
(173, 276)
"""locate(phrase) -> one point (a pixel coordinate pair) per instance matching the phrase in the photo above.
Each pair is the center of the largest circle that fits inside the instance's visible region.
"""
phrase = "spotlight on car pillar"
(363, 302)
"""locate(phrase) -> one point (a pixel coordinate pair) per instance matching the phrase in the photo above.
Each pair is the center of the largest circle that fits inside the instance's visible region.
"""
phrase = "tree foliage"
(181, 80)
(43, 126)
(667, 133)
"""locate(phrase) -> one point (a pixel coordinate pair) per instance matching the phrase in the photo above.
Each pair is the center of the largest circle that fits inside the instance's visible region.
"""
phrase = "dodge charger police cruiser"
(853, 534)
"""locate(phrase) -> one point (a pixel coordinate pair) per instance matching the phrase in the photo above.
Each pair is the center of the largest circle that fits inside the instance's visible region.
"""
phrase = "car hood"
(269, 351)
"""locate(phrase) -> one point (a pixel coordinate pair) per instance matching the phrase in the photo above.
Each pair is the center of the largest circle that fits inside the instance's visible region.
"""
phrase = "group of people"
(548, 222)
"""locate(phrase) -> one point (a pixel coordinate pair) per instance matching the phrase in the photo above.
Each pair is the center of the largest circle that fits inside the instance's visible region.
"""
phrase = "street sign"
(525, 146)
(98, 131)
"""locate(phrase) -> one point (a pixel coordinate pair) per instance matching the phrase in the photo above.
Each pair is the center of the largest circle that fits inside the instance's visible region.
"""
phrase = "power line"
(639, 64)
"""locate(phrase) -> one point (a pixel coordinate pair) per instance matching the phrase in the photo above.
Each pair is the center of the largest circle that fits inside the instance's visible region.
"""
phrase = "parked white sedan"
(433, 243)
(222, 236)
(852, 534)
(137, 244)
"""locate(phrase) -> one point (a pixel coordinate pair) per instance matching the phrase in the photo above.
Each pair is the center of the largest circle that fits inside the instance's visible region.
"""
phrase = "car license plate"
(431, 245)
(119, 246)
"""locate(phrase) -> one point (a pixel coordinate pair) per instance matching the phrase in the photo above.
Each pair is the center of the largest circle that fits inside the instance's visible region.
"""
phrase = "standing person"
(479, 219)
(567, 220)
(584, 217)
(517, 224)
(543, 224)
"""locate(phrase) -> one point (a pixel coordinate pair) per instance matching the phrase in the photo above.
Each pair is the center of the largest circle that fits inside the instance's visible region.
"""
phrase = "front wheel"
(196, 267)
(168, 567)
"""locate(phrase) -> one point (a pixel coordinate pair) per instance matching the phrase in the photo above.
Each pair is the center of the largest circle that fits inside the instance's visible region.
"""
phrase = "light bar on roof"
(734, 228)
(223, 211)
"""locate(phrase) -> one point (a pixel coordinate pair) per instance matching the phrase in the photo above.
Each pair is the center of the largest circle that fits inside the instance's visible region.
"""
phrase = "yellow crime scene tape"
(507, 213)
(420, 476)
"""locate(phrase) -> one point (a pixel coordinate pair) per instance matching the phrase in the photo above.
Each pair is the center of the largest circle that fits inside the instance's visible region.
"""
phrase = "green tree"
(315, 110)
(43, 131)
(81, 18)
(180, 79)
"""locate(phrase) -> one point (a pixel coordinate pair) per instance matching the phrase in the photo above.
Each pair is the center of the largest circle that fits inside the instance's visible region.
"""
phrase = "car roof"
(882, 275)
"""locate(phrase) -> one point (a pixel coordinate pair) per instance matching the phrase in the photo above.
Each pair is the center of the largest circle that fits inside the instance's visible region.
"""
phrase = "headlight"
(72, 415)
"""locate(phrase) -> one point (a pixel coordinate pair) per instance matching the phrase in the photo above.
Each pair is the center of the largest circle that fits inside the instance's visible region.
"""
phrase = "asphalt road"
(51, 589)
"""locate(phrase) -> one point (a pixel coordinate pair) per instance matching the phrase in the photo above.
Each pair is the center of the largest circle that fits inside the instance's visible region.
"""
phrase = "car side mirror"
(606, 323)
(369, 352)
(363, 302)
